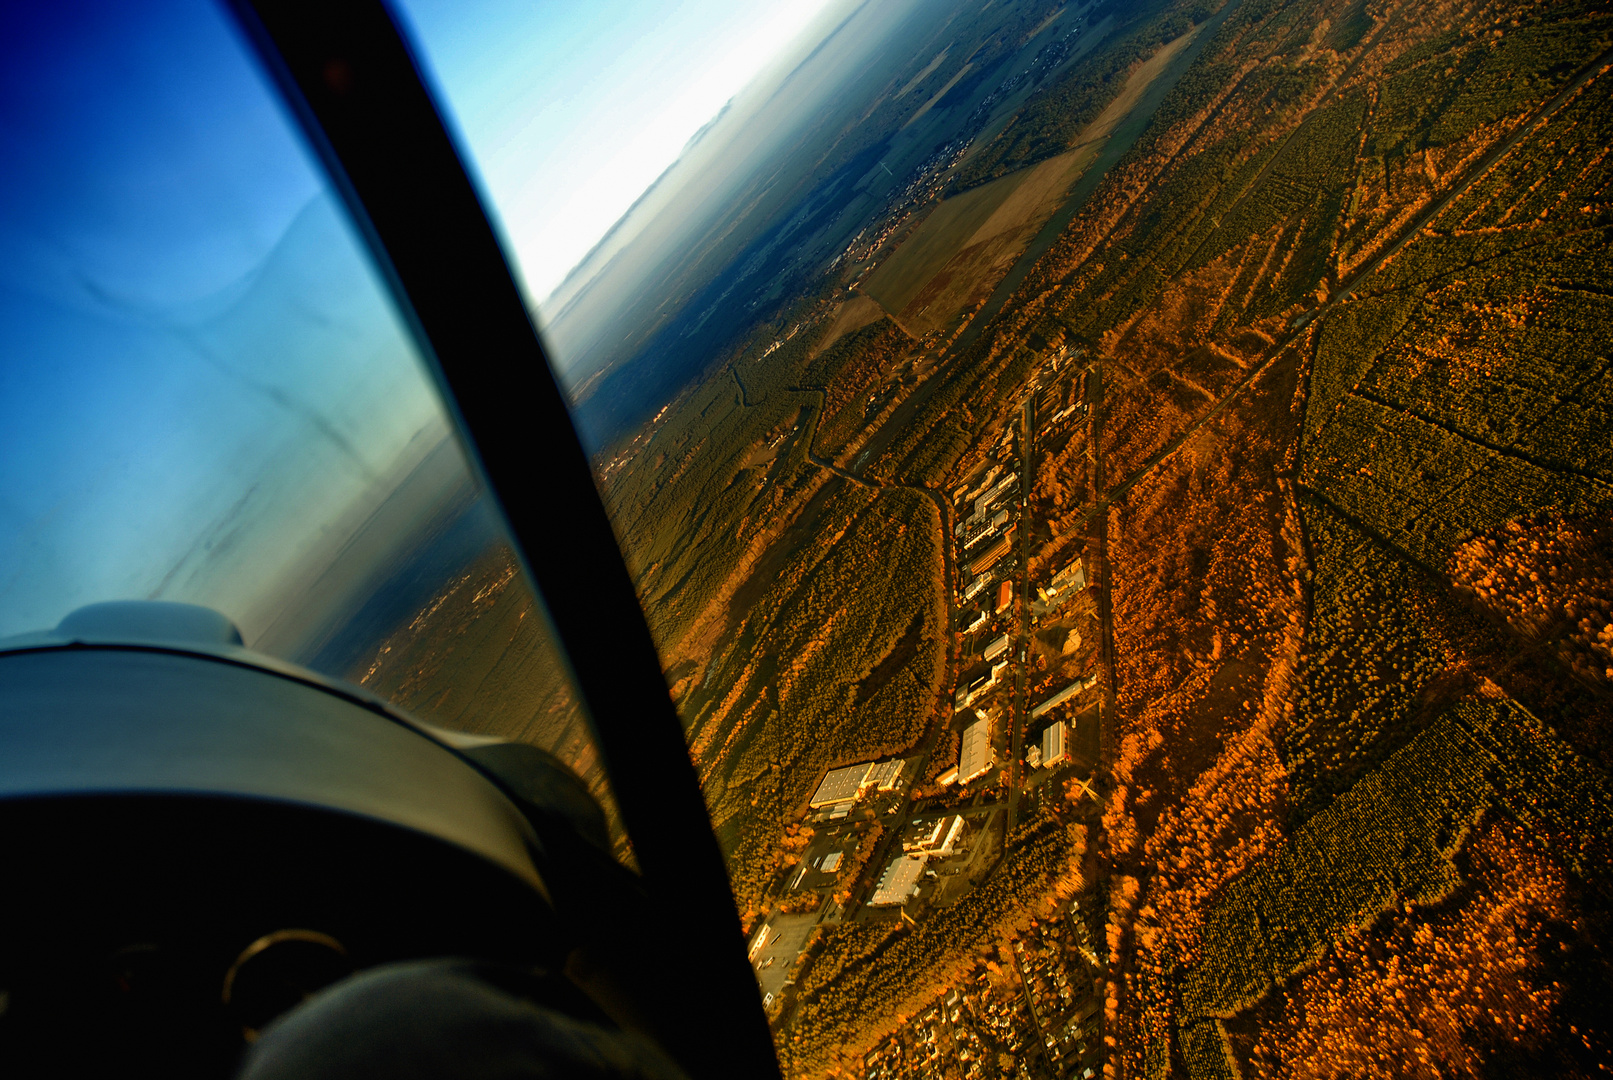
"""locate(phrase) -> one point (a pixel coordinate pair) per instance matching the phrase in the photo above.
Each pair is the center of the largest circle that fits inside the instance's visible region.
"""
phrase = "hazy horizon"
(207, 390)
(572, 116)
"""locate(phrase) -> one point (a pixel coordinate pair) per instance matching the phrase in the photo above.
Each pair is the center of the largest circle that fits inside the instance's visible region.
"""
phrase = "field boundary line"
(1495, 448)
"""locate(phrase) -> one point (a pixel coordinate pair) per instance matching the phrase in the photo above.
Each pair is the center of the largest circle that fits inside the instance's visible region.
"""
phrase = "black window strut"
(350, 80)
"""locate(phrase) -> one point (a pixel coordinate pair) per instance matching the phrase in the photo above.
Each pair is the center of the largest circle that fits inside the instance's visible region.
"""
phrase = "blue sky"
(202, 385)
(571, 109)
(199, 373)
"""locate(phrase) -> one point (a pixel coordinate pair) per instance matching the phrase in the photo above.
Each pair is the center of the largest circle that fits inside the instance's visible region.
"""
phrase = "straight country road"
(1018, 713)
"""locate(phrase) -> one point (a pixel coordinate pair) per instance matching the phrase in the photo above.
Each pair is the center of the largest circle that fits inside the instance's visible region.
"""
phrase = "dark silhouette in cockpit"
(267, 861)
(218, 861)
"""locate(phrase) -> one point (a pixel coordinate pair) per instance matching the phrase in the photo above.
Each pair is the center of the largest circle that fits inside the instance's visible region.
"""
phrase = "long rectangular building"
(840, 786)
(975, 759)
(993, 554)
(899, 881)
(1078, 686)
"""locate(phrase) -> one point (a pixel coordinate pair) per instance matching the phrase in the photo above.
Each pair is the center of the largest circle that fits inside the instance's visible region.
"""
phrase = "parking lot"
(785, 936)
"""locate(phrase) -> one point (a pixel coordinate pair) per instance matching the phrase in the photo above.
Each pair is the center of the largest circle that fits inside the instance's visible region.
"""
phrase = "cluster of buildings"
(1047, 1014)
(1067, 583)
(965, 1034)
(805, 324)
(924, 840)
(1064, 400)
(924, 183)
(841, 788)
(1050, 1013)
(1052, 749)
(1056, 963)
(986, 535)
(1056, 52)
(1045, 63)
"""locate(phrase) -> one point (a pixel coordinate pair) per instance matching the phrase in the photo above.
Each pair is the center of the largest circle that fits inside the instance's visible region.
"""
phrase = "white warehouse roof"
(840, 786)
(899, 881)
(974, 760)
(1055, 744)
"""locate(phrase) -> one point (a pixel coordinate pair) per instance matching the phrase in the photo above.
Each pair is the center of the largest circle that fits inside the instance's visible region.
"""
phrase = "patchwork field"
(954, 258)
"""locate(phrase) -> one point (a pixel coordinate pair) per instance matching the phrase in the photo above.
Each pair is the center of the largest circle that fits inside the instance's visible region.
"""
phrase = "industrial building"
(1078, 686)
(1005, 597)
(1056, 744)
(977, 533)
(1073, 578)
(899, 881)
(984, 501)
(884, 775)
(993, 554)
(975, 759)
(842, 787)
(995, 648)
(966, 494)
(976, 687)
(1066, 583)
(938, 839)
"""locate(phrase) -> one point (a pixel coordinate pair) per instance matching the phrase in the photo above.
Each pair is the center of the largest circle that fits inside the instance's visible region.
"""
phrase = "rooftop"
(841, 785)
(899, 881)
(1078, 686)
(974, 760)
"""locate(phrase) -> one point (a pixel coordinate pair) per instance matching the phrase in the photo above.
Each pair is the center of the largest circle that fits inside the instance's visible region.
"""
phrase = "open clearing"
(849, 317)
(937, 96)
(925, 74)
(969, 241)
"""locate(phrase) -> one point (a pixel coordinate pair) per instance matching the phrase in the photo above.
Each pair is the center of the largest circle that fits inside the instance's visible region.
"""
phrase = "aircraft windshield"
(208, 396)
(1121, 491)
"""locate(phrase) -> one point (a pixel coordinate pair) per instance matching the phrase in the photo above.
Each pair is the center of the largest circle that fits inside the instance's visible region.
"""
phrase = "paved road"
(1036, 1016)
(1017, 710)
(776, 959)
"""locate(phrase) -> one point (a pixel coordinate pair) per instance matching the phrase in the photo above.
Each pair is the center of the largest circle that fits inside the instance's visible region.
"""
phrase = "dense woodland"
(1334, 669)
(1346, 493)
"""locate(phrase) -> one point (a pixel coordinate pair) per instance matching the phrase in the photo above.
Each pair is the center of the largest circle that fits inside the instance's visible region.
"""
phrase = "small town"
(893, 839)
